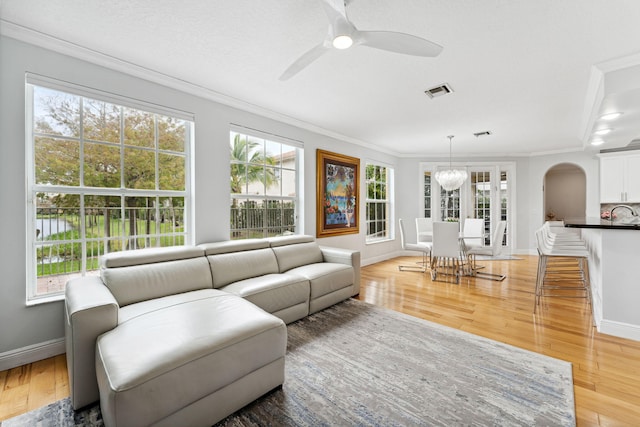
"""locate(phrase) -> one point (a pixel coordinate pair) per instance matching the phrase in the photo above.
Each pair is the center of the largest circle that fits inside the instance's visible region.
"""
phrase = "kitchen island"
(614, 270)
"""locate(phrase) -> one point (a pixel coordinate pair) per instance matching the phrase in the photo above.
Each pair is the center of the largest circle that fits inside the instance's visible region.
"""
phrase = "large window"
(481, 200)
(427, 194)
(264, 186)
(378, 183)
(449, 205)
(504, 205)
(485, 194)
(103, 177)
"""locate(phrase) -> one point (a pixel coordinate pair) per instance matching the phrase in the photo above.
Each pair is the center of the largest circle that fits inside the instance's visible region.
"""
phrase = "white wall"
(538, 167)
(409, 191)
(564, 193)
(528, 193)
(41, 326)
(23, 326)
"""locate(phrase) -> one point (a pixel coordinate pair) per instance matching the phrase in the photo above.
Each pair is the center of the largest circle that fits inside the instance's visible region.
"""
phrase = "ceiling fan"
(343, 34)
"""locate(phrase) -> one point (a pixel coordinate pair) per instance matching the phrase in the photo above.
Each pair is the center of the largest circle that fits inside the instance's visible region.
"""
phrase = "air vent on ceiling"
(443, 89)
(484, 133)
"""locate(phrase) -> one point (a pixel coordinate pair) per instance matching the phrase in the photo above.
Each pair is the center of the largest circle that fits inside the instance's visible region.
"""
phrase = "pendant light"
(451, 179)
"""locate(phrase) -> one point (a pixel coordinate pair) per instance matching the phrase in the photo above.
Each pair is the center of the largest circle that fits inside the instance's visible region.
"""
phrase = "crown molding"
(37, 38)
(619, 63)
(596, 92)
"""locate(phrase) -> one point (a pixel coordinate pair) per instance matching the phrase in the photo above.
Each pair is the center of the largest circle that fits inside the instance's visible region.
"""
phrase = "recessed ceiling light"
(597, 142)
(610, 116)
(602, 131)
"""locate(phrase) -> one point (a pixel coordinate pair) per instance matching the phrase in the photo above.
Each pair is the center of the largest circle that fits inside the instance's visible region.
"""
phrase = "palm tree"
(247, 165)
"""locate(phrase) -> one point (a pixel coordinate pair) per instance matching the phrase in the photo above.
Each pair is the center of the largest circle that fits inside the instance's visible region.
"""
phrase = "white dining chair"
(473, 232)
(424, 230)
(446, 255)
(492, 250)
(423, 247)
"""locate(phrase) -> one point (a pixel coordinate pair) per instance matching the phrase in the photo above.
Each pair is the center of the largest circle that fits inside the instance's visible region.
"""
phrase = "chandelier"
(451, 179)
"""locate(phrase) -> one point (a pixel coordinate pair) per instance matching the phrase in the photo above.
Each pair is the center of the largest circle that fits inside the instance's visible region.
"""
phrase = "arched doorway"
(565, 192)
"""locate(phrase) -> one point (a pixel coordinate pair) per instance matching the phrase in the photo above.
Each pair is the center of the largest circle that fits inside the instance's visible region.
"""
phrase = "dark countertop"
(599, 223)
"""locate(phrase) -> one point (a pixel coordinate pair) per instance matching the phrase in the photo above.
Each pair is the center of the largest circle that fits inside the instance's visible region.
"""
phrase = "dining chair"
(446, 255)
(423, 247)
(492, 250)
(424, 230)
(473, 232)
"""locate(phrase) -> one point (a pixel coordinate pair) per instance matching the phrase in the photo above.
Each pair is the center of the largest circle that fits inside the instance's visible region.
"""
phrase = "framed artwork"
(337, 192)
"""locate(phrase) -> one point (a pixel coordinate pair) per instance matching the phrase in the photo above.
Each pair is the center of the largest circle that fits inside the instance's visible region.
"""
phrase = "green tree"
(247, 164)
(58, 160)
(376, 178)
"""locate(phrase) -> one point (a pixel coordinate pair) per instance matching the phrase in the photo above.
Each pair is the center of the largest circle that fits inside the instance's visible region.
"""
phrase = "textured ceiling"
(519, 68)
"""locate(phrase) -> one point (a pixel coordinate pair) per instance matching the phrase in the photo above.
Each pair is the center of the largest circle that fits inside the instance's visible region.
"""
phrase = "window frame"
(502, 203)
(266, 196)
(387, 202)
(33, 188)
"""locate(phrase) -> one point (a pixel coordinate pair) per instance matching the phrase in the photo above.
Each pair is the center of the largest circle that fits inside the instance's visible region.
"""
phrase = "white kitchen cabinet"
(620, 178)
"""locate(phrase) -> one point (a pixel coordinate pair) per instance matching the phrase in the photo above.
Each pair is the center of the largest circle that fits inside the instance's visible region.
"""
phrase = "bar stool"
(561, 261)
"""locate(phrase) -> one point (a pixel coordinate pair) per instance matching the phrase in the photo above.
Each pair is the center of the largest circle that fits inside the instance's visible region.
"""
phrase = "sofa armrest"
(344, 256)
(90, 310)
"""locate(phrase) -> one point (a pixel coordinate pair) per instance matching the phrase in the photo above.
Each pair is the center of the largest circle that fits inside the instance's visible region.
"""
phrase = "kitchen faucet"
(633, 212)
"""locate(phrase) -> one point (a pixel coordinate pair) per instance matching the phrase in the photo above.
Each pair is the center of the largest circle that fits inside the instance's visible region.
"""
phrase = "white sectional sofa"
(187, 335)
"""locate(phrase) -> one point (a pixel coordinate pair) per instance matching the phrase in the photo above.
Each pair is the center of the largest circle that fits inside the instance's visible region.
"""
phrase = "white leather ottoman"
(190, 362)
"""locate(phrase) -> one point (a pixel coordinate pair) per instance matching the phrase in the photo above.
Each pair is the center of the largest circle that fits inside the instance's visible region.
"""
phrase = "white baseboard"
(384, 257)
(517, 252)
(619, 329)
(31, 353)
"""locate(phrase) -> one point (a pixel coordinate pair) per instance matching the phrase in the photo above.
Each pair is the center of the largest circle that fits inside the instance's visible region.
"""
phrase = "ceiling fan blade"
(398, 43)
(334, 9)
(339, 24)
(306, 59)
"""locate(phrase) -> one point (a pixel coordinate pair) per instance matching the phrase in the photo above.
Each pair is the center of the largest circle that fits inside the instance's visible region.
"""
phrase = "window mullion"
(273, 214)
(67, 251)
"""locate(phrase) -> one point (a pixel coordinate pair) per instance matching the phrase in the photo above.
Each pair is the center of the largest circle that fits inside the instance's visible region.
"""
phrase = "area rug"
(358, 364)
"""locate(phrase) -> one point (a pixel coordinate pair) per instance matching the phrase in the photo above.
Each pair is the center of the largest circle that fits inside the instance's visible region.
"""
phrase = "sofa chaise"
(187, 335)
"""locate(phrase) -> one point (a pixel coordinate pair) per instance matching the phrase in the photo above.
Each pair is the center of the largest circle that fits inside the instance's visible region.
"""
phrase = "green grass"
(71, 251)
(72, 266)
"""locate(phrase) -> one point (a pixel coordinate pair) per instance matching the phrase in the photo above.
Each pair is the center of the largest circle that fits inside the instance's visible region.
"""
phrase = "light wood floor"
(31, 386)
(606, 370)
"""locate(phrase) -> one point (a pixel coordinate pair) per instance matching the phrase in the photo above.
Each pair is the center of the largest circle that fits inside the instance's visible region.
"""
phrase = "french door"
(485, 194)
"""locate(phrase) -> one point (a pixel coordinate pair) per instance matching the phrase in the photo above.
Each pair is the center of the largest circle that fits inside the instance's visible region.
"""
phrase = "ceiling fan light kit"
(343, 34)
(342, 42)
(451, 179)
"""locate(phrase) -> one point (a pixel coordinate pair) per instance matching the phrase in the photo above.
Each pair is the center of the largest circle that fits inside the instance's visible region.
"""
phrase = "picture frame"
(337, 194)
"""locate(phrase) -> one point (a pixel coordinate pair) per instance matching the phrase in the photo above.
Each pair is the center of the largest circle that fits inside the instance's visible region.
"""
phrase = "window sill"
(375, 242)
(33, 301)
